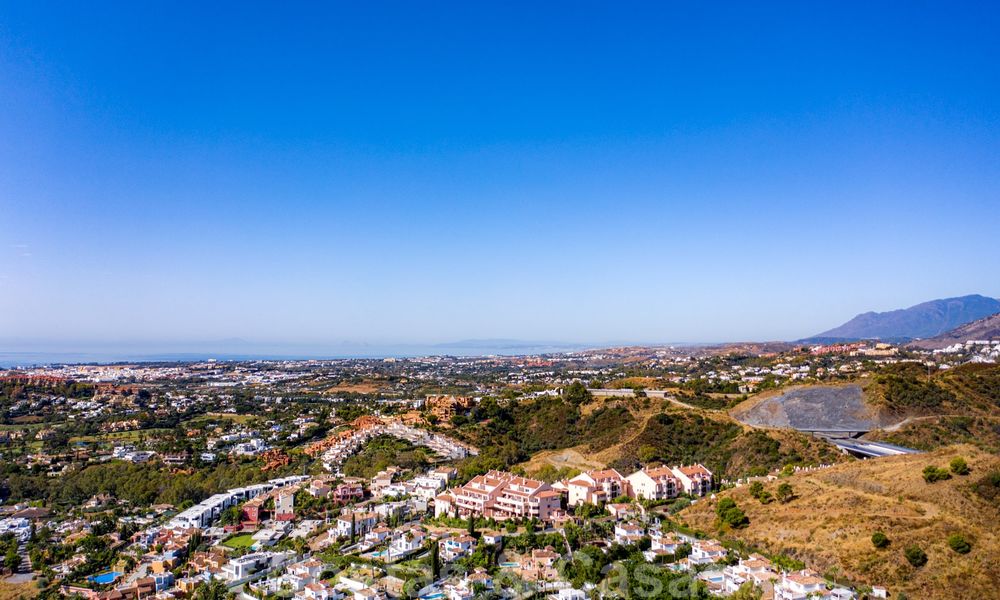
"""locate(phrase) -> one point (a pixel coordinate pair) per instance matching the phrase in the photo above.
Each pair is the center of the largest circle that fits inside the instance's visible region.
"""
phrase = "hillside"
(907, 389)
(625, 433)
(835, 511)
(811, 408)
(930, 433)
(728, 448)
(901, 398)
(983, 329)
(17, 591)
(924, 320)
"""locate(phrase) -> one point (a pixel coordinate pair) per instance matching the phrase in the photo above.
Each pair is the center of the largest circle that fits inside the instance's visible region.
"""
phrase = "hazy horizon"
(572, 173)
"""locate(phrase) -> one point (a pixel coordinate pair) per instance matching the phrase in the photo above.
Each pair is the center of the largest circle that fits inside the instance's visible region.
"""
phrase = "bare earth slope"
(830, 522)
(811, 408)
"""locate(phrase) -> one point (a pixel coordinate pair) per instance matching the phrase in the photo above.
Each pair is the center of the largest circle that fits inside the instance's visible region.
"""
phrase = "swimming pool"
(433, 596)
(509, 565)
(108, 577)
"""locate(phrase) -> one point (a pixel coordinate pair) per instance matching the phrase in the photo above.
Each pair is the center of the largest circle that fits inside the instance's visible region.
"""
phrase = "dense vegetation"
(932, 433)
(545, 423)
(138, 484)
(906, 388)
(725, 447)
(976, 382)
(383, 452)
(17, 389)
(15, 392)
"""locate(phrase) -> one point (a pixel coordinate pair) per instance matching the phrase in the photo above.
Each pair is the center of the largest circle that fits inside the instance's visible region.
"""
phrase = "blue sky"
(310, 173)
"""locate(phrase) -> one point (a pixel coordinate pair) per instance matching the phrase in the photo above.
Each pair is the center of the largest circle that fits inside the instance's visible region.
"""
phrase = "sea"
(23, 359)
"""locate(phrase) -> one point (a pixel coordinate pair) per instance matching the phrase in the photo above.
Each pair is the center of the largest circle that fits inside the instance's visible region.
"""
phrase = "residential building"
(500, 495)
(654, 483)
(695, 479)
(596, 487)
(284, 504)
(457, 547)
(628, 533)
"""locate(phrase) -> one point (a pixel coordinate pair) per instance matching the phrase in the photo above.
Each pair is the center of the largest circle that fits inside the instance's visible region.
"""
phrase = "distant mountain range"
(925, 320)
(983, 329)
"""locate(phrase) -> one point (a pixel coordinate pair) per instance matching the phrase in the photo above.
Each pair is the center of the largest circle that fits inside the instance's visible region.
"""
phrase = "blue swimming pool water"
(108, 577)
(433, 596)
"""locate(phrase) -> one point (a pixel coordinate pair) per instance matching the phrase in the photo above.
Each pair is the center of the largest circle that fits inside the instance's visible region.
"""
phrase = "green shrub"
(957, 543)
(730, 514)
(915, 555)
(879, 540)
(932, 474)
(785, 492)
(988, 488)
(959, 466)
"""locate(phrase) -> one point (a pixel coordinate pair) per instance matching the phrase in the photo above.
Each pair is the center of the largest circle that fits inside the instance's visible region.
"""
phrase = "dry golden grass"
(830, 522)
(365, 387)
(568, 457)
(16, 591)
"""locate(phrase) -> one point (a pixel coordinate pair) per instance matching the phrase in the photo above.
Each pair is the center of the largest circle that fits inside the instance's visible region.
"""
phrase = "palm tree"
(213, 589)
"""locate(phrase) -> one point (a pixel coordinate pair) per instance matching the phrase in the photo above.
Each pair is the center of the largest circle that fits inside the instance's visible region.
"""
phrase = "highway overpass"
(866, 449)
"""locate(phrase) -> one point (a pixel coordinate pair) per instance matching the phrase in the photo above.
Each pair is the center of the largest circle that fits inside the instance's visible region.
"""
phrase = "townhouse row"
(649, 483)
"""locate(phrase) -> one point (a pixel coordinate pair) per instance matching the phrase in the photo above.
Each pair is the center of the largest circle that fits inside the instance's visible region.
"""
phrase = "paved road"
(870, 449)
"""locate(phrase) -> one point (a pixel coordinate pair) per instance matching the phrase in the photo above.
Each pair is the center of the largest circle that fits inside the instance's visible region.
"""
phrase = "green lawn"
(240, 541)
(120, 436)
(213, 416)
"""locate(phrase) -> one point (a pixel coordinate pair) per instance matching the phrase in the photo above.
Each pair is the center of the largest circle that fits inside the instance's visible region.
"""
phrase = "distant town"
(450, 477)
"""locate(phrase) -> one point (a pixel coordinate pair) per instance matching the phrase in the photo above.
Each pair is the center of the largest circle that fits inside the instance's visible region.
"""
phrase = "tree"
(647, 453)
(354, 529)
(757, 489)
(436, 561)
(576, 393)
(213, 589)
(879, 540)
(956, 542)
(959, 466)
(730, 514)
(747, 591)
(915, 555)
(12, 559)
(587, 510)
(472, 525)
(785, 492)
(230, 516)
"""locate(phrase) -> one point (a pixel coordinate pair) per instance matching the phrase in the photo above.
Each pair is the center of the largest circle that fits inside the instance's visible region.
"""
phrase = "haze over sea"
(139, 353)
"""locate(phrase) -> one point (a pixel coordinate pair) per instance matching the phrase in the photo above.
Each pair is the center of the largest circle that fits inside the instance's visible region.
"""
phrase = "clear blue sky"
(424, 172)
